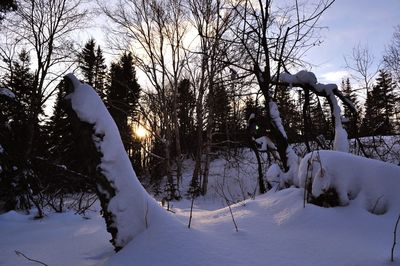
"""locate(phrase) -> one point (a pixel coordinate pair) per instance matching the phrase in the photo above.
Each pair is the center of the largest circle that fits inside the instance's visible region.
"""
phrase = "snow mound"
(133, 208)
(375, 184)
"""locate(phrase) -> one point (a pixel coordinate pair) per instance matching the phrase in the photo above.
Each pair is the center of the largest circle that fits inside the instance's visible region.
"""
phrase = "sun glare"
(141, 132)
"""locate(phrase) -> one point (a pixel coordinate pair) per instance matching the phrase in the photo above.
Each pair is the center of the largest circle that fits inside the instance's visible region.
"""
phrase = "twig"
(19, 253)
(309, 164)
(191, 211)
(233, 218)
(145, 216)
(394, 237)
(376, 204)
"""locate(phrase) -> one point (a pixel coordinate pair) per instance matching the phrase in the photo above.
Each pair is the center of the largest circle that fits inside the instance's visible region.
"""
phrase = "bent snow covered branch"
(374, 184)
(127, 208)
(308, 81)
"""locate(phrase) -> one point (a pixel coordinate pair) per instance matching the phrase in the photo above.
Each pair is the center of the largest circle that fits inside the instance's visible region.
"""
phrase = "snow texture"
(303, 77)
(133, 208)
(276, 117)
(266, 144)
(274, 229)
(375, 184)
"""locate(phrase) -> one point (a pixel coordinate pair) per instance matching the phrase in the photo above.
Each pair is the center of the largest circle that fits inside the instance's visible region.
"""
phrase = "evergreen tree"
(349, 93)
(91, 63)
(319, 122)
(16, 178)
(221, 110)
(289, 113)
(100, 72)
(63, 150)
(122, 100)
(379, 107)
(21, 79)
(87, 61)
(186, 105)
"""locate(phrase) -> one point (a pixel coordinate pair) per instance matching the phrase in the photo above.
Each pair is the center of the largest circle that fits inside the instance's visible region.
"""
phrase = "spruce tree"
(70, 166)
(91, 62)
(221, 112)
(87, 61)
(122, 99)
(349, 93)
(17, 183)
(379, 107)
(186, 105)
(289, 113)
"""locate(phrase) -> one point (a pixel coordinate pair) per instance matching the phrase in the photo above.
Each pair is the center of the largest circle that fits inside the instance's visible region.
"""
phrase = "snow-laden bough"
(373, 183)
(308, 80)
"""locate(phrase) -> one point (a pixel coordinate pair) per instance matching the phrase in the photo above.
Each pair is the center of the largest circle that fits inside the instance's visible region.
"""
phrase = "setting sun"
(141, 132)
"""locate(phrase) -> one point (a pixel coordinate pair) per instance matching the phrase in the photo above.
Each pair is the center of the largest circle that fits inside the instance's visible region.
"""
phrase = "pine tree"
(186, 105)
(379, 107)
(100, 72)
(91, 62)
(16, 178)
(87, 61)
(349, 93)
(221, 110)
(289, 113)
(122, 99)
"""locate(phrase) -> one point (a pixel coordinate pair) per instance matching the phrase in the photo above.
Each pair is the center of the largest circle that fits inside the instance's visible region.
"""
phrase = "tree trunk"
(178, 158)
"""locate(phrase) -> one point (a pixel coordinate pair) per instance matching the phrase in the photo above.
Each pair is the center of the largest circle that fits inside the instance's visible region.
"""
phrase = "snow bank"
(132, 207)
(375, 184)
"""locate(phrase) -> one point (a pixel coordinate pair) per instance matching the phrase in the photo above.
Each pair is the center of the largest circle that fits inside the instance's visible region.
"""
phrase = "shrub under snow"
(375, 184)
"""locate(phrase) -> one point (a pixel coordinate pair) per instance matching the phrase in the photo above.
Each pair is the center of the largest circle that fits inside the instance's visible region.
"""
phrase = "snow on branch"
(127, 208)
(308, 80)
(374, 184)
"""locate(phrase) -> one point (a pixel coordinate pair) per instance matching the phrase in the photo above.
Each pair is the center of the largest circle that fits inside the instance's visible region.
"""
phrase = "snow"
(274, 229)
(266, 143)
(133, 209)
(6, 92)
(305, 78)
(375, 184)
(275, 116)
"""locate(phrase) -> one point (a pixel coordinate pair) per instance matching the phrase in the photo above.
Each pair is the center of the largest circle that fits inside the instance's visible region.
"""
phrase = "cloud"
(334, 76)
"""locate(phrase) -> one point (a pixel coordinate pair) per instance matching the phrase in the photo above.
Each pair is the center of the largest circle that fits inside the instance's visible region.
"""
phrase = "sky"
(349, 23)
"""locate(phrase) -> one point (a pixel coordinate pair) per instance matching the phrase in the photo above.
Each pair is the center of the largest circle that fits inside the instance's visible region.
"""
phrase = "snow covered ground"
(274, 229)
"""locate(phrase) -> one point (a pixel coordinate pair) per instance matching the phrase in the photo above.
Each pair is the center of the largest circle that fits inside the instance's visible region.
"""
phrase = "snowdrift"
(375, 184)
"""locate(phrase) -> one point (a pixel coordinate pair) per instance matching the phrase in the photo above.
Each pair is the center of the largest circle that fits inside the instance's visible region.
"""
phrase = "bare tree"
(156, 31)
(392, 55)
(271, 37)
(44, 28)
(362, 63)
(391, 61)
(211, 20)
